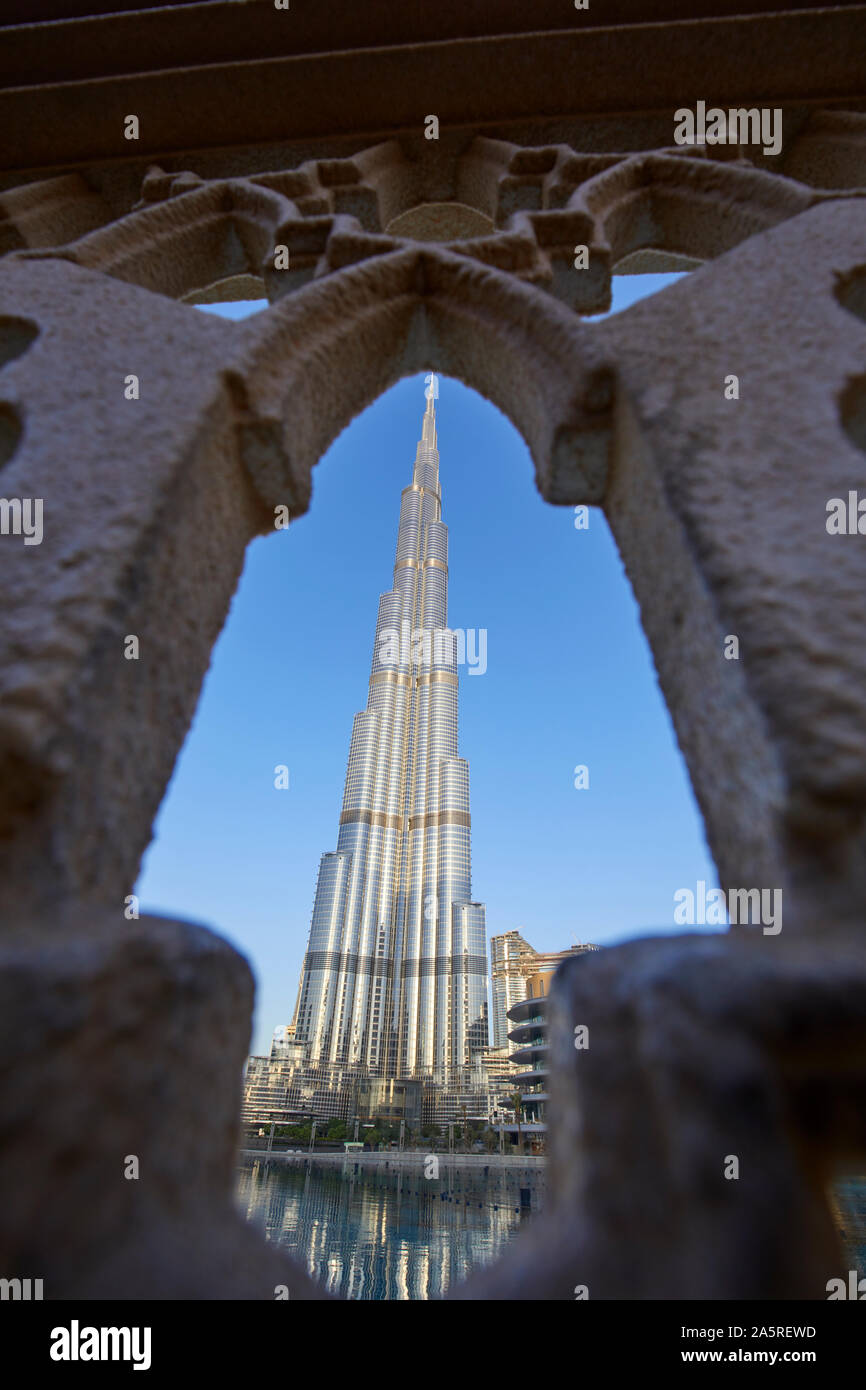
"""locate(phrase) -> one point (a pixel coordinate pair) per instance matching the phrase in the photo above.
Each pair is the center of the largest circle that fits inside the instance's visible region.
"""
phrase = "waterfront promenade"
(408, 1158)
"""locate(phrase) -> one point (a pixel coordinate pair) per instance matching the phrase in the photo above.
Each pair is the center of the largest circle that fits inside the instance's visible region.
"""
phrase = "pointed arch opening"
(555, 856)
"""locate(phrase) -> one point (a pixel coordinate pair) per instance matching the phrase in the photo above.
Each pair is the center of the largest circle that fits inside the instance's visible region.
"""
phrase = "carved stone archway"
(753, 1045)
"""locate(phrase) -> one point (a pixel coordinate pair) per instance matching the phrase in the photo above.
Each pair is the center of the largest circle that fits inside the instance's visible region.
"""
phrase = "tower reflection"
(388, 1233)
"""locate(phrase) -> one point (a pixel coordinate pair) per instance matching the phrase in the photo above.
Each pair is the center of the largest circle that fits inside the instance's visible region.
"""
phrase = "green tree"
(299, 1133)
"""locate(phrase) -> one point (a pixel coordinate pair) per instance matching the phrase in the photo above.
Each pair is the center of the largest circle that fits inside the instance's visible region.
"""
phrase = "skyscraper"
(394, 981)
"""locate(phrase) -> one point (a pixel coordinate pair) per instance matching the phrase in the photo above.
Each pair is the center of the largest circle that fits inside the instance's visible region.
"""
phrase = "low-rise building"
(528, 1037)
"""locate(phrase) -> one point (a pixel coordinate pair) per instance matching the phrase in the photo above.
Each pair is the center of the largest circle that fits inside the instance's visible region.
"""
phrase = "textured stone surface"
(147, 512)
(734, 494)
(126, 1037)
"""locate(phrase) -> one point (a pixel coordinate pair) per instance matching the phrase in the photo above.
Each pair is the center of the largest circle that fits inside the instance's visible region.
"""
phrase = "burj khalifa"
(394, 981)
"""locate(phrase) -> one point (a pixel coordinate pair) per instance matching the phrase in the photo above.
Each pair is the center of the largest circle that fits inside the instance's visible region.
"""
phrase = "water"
(848, 1204)
(374, 1233)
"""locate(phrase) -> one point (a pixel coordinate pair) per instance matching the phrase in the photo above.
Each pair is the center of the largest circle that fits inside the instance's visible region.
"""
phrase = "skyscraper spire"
(428, 431)
(395, 976)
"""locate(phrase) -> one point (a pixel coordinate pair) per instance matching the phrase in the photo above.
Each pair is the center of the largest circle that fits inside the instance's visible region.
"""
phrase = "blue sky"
(569, 681)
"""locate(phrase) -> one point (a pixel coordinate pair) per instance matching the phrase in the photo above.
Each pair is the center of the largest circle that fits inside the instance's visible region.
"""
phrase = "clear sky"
(569, 681)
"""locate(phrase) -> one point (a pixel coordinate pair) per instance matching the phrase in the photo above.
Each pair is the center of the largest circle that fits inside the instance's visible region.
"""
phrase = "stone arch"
(588, 420)
(199, 234)
(275, 391)
(187, 234)
(686, 204)
(318, 358)
(49, 212)
(717, 507)
(629, 413)
(280, 387)
(255, 406)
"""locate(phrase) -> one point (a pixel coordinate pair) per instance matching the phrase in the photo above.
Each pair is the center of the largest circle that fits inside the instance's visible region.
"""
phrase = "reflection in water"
(371, 1232)
(848, 1205)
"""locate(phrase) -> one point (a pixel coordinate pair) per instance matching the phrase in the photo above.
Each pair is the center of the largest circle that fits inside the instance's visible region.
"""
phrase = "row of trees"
(383, 1132)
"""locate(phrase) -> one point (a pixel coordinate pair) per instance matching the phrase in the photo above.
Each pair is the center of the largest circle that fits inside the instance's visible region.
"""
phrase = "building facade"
(394, 981)
(527, 1044)
(513, 964)
(509, 953)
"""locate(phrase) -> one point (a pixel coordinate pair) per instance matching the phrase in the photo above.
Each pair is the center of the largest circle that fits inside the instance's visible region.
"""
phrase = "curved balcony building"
(529, 1037)
(530, 1057)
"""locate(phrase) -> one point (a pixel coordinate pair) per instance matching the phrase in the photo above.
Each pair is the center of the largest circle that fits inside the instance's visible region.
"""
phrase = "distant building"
(508, 954)
(269, 1086)
(284, 1048)
(513, 963)
(496, 1075)
(528, 1040)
